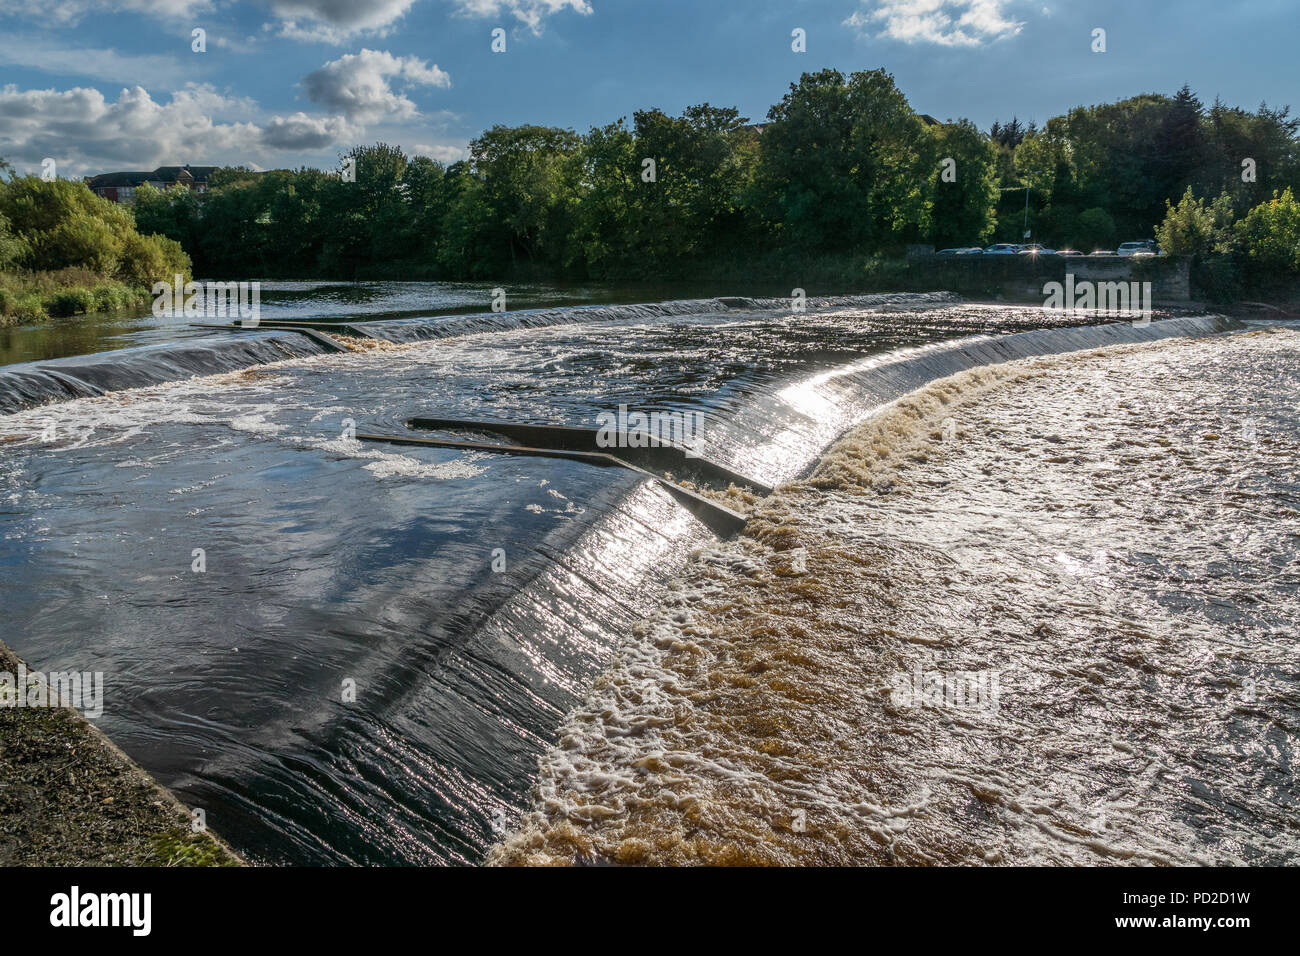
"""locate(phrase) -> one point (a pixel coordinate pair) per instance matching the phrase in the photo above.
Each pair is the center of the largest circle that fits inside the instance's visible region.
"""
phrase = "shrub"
(60, 224)
(1270, 235)
(1194, 229)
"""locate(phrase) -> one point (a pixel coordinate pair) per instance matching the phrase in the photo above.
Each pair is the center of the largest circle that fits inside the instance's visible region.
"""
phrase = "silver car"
(1146, 247)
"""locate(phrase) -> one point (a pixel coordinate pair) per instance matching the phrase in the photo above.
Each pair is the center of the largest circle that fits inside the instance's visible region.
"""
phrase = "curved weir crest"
(329, 561)
(30, 384)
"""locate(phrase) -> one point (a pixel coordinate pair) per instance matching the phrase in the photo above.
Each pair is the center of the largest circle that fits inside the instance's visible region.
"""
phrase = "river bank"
(40, 296)
(70, 797)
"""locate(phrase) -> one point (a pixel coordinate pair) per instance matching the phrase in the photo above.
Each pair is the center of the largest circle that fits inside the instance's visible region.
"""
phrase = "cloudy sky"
(102, 85)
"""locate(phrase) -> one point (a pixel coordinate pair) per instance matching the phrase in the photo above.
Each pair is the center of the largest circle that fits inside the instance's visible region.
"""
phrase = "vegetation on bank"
(1259, 253)
(831, 190)
(838, 181)
(64, 251)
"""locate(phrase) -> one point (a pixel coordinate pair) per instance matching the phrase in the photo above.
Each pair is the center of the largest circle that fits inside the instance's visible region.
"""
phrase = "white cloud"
(443, 153)
(528, 12)
(36, 53)
(84, 132)
(68, 12)
(317, 21)
(331, 21)
(334, 21)
(942, 22)
(303, 133)
(360, 86)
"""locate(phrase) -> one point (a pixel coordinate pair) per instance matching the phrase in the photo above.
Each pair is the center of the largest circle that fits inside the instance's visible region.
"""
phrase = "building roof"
(117, 179)
(163, 174)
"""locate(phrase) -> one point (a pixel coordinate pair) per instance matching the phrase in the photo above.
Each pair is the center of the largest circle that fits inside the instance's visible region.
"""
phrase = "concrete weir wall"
(1023, 277)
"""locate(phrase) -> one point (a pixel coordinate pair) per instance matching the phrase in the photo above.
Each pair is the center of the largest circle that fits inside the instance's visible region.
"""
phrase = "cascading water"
(355, 653)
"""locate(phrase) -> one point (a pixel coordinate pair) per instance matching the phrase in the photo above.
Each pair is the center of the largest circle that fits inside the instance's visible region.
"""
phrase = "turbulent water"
(357, 653)
(1044, 612)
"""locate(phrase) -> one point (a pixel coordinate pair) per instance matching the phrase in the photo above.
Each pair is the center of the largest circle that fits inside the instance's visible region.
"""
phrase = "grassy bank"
(69, 797)
(33, 296)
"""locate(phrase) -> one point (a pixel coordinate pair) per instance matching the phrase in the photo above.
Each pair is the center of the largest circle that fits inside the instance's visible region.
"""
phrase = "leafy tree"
(12, 248)
(173, 213)
(524, 173)
(964, 211)
(1191, 228)
(465, 247)
(845, 163)
(1270, 234)
(1242, 146)
(611, 189)
(61, 224)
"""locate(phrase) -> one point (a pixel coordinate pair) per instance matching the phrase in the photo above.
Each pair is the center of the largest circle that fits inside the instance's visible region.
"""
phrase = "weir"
(31, 384)
(655, 454)
(317, 331)
(721, 520)
(332, 560)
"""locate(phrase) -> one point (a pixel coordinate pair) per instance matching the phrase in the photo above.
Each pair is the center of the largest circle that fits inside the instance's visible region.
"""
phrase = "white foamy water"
(1102, 550)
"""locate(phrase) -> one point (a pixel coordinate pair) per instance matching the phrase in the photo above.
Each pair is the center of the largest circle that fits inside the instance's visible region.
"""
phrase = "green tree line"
(843, 165)
(843, 168)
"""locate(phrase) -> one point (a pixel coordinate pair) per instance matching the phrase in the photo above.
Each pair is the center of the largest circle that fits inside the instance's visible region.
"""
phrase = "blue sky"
(114, 84)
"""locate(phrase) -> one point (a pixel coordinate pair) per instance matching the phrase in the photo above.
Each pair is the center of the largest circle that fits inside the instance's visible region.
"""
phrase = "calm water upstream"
(82, 334)
(471, 600)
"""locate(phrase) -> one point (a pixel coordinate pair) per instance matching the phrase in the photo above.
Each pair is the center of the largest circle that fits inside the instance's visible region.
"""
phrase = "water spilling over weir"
(469, 599)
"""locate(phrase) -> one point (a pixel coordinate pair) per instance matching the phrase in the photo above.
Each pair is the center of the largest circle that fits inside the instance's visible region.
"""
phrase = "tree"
(173, 213)
(525, 175)
(1270, 235)
(12, 247)
(702, 164)
(1192, 228)
(1010, 135)
(611, 188)
(466, 246)
(60, 224)
(1180, 144)
(846, 162)
(964, 210)
(1250, 155)
(1095, 229)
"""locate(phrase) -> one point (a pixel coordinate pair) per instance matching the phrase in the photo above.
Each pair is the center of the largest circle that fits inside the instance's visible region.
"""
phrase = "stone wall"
(1023, 277)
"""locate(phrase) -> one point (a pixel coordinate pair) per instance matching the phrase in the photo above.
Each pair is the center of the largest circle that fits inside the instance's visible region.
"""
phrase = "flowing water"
(357, 653)
(1044, 612)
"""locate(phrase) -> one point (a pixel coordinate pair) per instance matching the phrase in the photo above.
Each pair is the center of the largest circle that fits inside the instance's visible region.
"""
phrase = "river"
(346, 652)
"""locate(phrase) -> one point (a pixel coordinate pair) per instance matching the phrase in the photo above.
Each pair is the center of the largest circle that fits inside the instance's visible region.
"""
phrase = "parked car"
(948, 252)
(1145, 247)
(972, 251)
(1102, 252)
(1034, 249)
(1002, 249)
(1069, 252)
